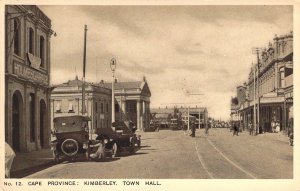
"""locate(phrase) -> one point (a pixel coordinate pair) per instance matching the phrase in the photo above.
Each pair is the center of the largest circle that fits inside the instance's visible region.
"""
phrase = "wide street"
(173, 154)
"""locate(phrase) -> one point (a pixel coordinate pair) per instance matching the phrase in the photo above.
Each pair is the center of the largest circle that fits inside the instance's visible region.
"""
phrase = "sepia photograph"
(134, 94)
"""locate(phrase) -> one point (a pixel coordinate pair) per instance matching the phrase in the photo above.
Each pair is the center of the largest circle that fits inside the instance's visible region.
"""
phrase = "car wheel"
(114, 150)
(70, 147)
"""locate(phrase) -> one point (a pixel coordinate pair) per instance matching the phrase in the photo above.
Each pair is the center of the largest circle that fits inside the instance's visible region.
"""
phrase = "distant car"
(71, 137)
(120, 137)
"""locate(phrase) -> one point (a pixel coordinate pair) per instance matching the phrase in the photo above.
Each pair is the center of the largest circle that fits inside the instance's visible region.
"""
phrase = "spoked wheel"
(114, 150)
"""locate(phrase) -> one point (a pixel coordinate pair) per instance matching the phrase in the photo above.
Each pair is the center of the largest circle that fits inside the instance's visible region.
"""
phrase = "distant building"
(198, 112)
(236, 103)
(66, 100)
(27, 73)
(132, 102)
(275, 85)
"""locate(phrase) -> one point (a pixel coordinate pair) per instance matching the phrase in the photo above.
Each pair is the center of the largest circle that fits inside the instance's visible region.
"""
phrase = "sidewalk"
(26, 163)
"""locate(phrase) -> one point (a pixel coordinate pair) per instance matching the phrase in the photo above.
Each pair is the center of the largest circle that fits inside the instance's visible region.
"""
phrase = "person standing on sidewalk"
(250, 128)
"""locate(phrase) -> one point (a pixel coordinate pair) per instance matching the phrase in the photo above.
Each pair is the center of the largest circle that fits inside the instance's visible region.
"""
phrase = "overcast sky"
(197, 49)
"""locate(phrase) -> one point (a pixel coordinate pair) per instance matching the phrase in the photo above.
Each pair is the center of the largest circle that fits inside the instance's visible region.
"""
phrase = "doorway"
(16, 120)
(42, 122)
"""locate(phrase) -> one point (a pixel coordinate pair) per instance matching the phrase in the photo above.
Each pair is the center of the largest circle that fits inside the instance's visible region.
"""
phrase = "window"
(71, 109)
(281, 83)
(101, 108)
(31, 41)
(16, 37)
(117, 109)
(42, 51)
(58, 107)
(107, 107)
(96, 107)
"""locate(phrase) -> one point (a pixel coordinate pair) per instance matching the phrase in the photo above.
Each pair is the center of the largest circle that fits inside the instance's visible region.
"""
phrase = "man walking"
(235, 130)
(193, 129)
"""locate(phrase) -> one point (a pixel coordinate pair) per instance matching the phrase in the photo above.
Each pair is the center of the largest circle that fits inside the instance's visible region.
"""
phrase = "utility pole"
(83, 78)
(254, 98)
(256, 51)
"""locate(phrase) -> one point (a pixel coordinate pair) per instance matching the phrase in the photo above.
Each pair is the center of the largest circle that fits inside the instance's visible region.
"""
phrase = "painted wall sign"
(29, 73)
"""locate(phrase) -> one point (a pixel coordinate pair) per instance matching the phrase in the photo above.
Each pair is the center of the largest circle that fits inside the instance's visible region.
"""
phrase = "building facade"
(236, 103)
(66, 100)
(132, 102)
(270, 86)
(27, 76)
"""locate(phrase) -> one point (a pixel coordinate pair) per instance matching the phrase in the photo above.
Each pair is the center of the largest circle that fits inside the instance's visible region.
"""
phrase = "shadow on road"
(28, 171)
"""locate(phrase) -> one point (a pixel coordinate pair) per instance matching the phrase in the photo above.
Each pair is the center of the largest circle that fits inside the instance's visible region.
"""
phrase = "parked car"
(120, 137)
(71, 137)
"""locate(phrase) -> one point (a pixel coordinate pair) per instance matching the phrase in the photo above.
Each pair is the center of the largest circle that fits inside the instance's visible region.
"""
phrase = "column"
(138, 114)
(123, 109)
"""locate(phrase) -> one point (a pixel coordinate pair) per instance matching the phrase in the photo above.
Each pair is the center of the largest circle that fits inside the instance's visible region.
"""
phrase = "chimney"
(76, 77)
(116, 81)
(144, 79)
(102, 81)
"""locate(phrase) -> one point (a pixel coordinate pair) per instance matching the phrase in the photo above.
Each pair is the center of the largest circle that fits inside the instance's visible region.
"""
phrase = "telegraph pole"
(83, 78)
(254, 98)
(256, 51)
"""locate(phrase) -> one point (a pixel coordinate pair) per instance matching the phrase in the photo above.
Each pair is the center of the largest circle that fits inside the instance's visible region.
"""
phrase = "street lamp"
(113, 66)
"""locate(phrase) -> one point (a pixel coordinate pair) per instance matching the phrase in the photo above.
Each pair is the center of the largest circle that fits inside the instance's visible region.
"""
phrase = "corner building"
(27, 76)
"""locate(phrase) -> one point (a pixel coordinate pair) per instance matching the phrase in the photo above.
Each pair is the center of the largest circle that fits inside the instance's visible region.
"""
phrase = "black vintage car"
(71, 137)
(120, 137)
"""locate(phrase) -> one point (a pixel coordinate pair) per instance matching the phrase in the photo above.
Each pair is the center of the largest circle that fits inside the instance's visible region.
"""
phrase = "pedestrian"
(250, 126)
(277, 127)
(193, 129)
(273, 126)
(207, 128)
(235, 130)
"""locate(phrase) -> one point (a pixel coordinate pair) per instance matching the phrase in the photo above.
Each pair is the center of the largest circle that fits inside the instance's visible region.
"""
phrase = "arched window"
(16, 37)
(42, 51)
(31, 41)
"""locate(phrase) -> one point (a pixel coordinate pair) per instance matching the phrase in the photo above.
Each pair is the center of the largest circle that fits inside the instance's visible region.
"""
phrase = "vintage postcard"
(141, 95)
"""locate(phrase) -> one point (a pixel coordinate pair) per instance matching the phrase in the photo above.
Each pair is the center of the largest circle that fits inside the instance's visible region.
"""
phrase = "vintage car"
(154, 126)
(70, 137)
(175, 124)
(120, 137)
